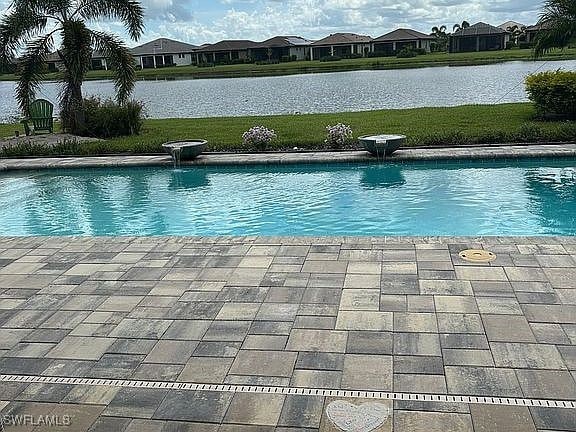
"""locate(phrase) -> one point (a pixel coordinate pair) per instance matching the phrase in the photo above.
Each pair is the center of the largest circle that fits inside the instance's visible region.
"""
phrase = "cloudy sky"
(207, 21)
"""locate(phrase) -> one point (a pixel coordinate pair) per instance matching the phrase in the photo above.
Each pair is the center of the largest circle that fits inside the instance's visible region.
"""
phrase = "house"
(224, 51)
(99, 62)
(54, 64)
(164, 52)
(478, 37)
(280, 47)
(340, 45)
(511, 24)
(396, 40)
(532, 32)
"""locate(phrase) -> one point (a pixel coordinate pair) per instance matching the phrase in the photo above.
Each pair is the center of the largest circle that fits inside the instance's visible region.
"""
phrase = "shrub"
(258, 137)
(554, 93)
(353, 56)
(376, 54)
(406, 53)
(267, 62)
(330, 58)
(338, 135)
(107, 119)
(529, 132)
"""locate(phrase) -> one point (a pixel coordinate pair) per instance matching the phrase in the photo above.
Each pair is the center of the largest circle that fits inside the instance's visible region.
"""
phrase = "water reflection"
(382, 176)
(553, 197)
(188, 179)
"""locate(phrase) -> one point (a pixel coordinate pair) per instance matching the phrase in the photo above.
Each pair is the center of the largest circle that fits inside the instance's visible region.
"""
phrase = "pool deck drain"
(226, 333)
(299, 391)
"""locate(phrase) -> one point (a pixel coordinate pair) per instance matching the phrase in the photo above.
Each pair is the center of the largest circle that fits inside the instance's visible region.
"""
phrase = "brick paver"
(387, 314)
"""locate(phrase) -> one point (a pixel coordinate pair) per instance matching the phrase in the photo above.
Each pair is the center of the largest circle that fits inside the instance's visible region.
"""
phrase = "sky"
(208, 21)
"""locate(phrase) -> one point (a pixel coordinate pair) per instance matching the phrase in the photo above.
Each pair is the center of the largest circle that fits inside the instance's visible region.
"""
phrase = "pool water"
(522, 197)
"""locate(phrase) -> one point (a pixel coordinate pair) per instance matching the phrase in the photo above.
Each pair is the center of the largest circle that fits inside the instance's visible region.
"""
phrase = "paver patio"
(384, 314)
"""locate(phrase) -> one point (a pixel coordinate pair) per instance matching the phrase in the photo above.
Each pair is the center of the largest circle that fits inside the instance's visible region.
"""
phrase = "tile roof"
(163, 46)
(402, 34)
(229, 45)
(343, 39)
(284, 41)
(479, 29)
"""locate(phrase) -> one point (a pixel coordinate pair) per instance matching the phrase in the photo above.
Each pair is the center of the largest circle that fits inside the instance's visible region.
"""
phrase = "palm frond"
(120, 60)
(18, 26)
(557, 26)
(32, 65)
(130, 12)
(44, 7)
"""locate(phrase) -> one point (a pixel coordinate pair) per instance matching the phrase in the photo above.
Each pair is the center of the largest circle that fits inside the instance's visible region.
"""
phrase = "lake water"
(318, 93)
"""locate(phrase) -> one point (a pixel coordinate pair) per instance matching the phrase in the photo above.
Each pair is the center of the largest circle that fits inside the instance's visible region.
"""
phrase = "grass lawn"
(424, 126)
(436, 59)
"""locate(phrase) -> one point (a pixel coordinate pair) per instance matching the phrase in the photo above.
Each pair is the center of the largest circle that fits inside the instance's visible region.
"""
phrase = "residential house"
(340, 45)
(478, 37)
(280, 47)
(54, 64)
(227, 50)
(517, 31)
(510, 24)
(532, 32)
(99, 62)
(396, 40)
(164, 53)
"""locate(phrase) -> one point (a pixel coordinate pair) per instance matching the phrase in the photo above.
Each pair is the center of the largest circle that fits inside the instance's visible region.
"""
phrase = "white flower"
(338, 134)
(258, 136)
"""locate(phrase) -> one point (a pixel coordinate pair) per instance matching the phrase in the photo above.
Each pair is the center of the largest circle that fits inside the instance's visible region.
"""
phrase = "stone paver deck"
(384, 314)
(43, 139)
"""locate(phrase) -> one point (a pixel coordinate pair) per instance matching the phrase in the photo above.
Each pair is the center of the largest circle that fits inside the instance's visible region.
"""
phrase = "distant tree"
(557, 26)
(465, 24)
(441, 42)
(516, 32)
(30, 27)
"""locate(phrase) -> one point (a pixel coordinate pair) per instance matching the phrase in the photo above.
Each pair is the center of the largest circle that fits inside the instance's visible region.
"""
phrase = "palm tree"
(516, 32)
(557, 26)
(464, 25)
(31, 27)
(441, 42)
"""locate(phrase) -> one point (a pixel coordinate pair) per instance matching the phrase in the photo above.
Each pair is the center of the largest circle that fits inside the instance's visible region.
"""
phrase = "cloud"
(203, 21)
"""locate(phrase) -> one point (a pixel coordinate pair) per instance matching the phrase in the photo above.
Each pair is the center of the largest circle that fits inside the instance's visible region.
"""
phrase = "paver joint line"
(301, 391)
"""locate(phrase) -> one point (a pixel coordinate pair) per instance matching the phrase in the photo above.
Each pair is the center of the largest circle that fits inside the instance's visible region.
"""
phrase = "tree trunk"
(73, 116)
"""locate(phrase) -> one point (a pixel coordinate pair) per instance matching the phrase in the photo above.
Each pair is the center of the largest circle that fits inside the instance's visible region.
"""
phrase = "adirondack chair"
(40, 115)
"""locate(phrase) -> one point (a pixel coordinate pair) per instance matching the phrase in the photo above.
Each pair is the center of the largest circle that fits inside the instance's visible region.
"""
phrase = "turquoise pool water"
(525, 197)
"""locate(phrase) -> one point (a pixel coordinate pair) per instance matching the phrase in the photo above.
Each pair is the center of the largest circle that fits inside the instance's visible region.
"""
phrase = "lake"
(317, 93)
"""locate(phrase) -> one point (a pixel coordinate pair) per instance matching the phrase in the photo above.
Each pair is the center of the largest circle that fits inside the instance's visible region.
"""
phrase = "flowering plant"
(259, 137)
(338, 135)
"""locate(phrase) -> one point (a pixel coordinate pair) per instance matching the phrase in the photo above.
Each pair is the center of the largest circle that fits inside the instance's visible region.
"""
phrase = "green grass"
(462, 125)
(436, 59)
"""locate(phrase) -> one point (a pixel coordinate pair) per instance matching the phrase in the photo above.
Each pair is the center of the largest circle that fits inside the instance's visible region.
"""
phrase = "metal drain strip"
(417, 397)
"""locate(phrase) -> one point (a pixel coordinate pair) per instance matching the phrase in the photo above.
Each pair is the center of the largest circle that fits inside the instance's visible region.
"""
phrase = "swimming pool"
(520, 197)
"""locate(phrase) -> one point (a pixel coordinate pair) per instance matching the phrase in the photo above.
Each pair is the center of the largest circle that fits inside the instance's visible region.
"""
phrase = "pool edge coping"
(490, 152)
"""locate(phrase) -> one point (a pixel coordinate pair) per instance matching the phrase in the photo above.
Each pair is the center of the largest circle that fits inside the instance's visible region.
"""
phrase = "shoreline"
(451, 127)
(312, 67)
